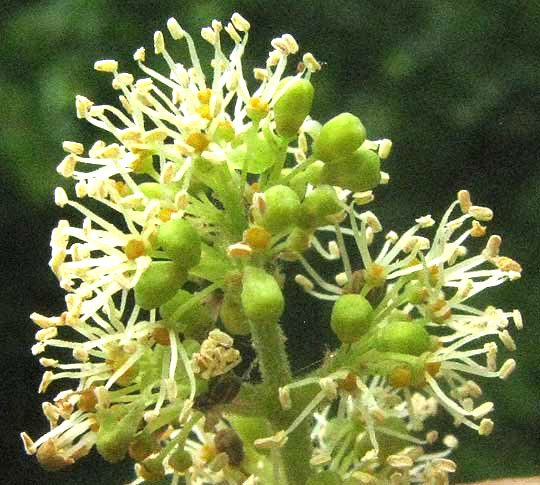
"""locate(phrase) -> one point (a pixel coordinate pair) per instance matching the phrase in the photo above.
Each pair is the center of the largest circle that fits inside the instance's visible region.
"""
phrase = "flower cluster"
(212, 188)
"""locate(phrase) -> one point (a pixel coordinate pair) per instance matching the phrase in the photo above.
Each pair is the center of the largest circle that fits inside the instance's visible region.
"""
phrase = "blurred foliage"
(455, 85)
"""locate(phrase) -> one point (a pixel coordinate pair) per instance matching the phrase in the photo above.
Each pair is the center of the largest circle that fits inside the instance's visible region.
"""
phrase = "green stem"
(269, 343)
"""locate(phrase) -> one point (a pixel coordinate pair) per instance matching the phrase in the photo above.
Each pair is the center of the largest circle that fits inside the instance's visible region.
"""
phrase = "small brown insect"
(228, 442)
(221, 390)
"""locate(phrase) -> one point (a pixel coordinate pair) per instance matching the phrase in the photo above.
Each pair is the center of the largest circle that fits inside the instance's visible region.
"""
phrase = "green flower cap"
(403, 337)
(152, 469)
(180, 461)
(115, 435)
(351, 317)
(261, 296)
(318, 204)
(340, 136)
(292, 107)
(196, 316)
(181, 242)
(158, 284)
(358, 171)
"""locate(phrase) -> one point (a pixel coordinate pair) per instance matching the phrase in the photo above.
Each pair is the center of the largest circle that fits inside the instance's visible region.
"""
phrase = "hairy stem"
(269, 344)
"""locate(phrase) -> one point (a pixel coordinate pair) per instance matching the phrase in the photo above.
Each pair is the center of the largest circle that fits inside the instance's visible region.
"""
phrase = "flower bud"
(298, 240)
(115, 435)
(318, 204)
(340, 136)
(351, 317)
(181, 242)
(261, 296)
(403, 337)
(292, 107)
(152, 469)
(358, 172)
(180, 461)
(326, 477)
(233, 317)
(282, 206)
(158, 283)
(311, 175)
(143, 446)
(197, 316)
(224, 132)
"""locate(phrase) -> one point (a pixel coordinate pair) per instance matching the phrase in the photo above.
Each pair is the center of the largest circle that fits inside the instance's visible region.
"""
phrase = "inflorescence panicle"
(215, 188)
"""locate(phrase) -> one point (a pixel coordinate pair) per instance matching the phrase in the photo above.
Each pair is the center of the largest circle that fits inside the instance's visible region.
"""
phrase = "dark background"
(455, 85)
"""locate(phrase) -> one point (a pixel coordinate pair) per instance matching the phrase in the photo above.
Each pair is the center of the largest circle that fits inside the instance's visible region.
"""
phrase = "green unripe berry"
(318, 204)
(181, 242)
(158, 284)
(351, 317)
(180, 461)
(403, 337)
(282, 206)
(359, 171)
(339, 136)
(292, 106)
(261, 296)
(326, 477)
(196, 316)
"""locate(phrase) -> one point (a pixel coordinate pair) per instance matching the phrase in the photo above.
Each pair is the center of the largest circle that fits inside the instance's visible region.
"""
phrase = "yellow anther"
(165, 214)
(204, 95)
(73, 147)
(239, 250)
(440, 311)
(432, 368)
(478, 230)
(464, 198)
(199, 141)
(375, 274)
(140, 54)
(156, 135)
(204, 112)
(507, 264)
(134, 248)
(175, 30)
(161, 336)
(257, 238)
(257, 108)
(106, 65)
(400, 377)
